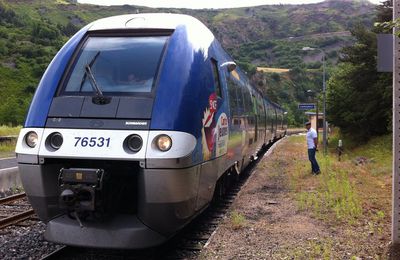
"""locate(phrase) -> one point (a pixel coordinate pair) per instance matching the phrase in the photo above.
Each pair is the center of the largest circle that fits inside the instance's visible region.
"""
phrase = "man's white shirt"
(311, 134)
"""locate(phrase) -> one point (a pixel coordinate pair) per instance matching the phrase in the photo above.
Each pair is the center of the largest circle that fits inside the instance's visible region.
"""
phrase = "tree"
(384, 13)
(360, 98)
(12, 111)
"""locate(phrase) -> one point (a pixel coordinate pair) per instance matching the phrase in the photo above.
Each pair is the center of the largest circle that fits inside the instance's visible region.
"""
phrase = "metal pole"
(324, 105)
(324, 142)
(396, 131)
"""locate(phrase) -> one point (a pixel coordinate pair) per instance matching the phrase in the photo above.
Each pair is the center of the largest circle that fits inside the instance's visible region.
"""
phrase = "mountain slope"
(32, 32)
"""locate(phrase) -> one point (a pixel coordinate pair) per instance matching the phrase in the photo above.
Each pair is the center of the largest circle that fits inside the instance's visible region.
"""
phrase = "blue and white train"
(135, 125)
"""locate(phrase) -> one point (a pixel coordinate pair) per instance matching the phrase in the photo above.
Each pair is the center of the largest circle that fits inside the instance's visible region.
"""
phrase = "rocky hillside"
(32, 32)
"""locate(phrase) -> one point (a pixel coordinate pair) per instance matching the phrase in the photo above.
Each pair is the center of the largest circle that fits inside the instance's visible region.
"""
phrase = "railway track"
(12, 198)
(14, 209)
(8, 138)
(185, 245)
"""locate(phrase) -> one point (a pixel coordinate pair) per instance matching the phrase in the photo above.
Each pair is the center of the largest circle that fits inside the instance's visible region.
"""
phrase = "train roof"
(144, 21)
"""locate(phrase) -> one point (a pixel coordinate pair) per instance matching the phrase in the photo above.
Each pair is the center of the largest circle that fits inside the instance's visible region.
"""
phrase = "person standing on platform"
(312, 144)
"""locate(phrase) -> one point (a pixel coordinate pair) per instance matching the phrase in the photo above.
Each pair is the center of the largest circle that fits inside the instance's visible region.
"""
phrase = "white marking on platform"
(9, 179)
(211, 237)
(272, 148)
(11, 169)
(8, 158)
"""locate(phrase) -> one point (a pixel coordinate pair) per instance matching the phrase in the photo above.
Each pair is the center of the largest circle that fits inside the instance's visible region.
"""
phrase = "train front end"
(98, 165)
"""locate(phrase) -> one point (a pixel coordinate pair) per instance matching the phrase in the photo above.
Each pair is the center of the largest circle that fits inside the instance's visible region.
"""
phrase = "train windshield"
(116, 65)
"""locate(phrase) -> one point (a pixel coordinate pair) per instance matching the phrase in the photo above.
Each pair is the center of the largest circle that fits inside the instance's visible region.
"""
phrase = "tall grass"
(377, 151)
(237, 220)
(7, 130)
(7, 148)
(346, 189)
(336, 196)
(330, 195)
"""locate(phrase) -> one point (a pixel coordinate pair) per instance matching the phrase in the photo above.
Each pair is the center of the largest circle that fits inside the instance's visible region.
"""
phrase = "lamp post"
(324, 133)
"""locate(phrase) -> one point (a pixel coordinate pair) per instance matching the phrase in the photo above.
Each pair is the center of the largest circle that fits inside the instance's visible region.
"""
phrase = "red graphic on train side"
(209, 124)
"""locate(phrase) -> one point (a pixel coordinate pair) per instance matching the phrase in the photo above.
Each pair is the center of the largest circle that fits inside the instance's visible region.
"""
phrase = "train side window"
(217, 82)
(232, 96)
(247, 101)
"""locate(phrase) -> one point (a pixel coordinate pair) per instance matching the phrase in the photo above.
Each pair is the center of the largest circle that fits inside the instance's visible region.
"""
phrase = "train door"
(261, 119)
(255, 115)
(250, 116)
(237, 125)
(273, 123)
(270, 122)
(223, 113)
(245, 119)
(264, 105)
(284, 122)
(279, 122)
(211, 170)
(275, 119)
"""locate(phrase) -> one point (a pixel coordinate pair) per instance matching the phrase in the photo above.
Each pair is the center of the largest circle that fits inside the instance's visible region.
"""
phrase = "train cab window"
(217, 82)
(115, 65)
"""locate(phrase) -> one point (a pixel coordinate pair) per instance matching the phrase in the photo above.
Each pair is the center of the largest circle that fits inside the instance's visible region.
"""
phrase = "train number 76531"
(92, 141)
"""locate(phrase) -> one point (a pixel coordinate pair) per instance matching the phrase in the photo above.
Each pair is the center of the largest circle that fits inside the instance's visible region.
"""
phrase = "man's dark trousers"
(314, 164)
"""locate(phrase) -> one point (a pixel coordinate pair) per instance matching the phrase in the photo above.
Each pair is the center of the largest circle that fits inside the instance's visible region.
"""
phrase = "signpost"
(309, 106)
(306, 106)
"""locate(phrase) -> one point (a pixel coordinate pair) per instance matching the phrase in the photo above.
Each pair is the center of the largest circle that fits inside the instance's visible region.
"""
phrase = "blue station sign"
(306, 106)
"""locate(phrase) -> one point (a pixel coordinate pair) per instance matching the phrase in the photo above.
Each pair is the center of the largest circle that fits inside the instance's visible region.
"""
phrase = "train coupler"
(82, 192)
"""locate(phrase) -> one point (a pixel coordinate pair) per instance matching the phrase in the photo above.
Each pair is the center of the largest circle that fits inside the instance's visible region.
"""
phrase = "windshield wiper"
(88, 71)
(90, 64)
(99, 99)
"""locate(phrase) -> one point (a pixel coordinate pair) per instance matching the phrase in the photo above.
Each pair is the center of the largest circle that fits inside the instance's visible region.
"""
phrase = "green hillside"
(32, 32)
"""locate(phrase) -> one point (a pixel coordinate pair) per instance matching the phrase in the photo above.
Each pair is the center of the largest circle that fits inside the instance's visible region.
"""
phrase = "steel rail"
(12, 198)
(8, 221)
(5, 222)
(8, 138)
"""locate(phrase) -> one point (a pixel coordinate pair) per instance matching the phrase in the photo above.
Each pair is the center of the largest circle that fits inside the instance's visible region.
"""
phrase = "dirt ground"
(266, 223)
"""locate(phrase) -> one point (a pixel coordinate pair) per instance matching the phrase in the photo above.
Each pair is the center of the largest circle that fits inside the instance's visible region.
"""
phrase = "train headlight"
(31, 139)
(163, 142)
(55, 140)
(134, 143)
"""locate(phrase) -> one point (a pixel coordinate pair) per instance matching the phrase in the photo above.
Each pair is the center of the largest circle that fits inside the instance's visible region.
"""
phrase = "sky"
(196, 4)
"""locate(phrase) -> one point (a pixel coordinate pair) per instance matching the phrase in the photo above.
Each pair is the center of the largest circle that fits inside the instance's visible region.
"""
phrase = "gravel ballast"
(25, 242)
